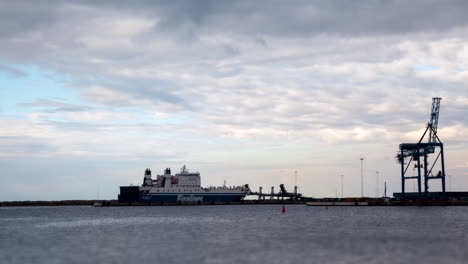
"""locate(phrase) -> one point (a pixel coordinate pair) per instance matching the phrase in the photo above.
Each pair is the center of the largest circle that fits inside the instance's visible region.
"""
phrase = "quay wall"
(316, 202)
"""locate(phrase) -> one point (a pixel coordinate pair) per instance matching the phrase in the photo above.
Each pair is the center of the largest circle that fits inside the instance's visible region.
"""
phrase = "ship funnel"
(147, 178)
(167, 171)
(147, 172)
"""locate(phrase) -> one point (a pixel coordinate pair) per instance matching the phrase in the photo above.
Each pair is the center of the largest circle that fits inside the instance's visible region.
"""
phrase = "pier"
(361, 202)
(283, 194)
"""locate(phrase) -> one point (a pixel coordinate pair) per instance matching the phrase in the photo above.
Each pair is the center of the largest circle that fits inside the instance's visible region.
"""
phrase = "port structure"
(282, 194)
(417, 154)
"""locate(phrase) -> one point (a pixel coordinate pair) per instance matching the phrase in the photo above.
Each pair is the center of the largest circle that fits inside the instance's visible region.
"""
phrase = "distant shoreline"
(107, 203)
(48, 203)
(116, 203)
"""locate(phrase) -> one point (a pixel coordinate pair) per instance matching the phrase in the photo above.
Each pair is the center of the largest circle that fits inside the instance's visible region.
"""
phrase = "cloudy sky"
(94, 92)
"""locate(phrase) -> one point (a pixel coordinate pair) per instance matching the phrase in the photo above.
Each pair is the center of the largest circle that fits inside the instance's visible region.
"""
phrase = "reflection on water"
(133, 221)
(234, 234)
(5, 219)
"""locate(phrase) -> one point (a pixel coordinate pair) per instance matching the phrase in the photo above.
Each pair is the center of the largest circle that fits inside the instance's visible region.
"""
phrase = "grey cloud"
(450, 114)
(293, 18)
(12, 72)
(70, 126)
(19, 17)
(44, 103)
(313, 17)
(70, 109)
(157, 94)
(231, 51)
(135, 89)
(261, 41)
(56, 106)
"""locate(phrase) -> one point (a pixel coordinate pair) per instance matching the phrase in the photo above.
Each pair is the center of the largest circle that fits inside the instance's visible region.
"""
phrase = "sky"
(94, 92)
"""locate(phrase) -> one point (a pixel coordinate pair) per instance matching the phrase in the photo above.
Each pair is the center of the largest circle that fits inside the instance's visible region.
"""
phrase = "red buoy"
(284, 209)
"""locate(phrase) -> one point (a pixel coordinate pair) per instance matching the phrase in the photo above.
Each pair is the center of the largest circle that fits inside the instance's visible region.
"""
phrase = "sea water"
(233, 234)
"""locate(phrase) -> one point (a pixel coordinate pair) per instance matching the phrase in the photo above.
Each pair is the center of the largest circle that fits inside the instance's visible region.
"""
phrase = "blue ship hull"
(184, 197)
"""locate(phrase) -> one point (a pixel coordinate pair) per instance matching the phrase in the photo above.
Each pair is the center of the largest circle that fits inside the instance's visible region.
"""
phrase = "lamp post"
(342, 195)
(295, 185)
(295, 178)
(377, 189)
(362, 178)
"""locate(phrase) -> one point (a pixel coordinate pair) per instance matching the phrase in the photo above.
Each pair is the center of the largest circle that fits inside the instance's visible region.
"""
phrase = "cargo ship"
(183, 187)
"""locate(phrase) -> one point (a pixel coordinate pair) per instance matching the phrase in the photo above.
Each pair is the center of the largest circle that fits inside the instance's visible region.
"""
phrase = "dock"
(319, 202)
(105, 203)
(282, 195)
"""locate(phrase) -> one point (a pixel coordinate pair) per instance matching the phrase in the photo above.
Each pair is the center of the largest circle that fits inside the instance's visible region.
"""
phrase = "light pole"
(342, 195)
(362, 178)
(385, 189)
(295, 178)
(377, 194)
(295, 185)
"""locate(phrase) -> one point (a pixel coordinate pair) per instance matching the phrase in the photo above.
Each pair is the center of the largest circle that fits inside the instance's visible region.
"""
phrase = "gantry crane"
(411, 153)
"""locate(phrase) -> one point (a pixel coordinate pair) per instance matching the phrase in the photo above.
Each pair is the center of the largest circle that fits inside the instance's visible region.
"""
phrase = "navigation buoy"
(284, 209)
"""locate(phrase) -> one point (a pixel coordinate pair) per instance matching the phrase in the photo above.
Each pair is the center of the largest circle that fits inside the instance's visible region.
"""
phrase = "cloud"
(12, 72)
(106, 96)
(305, 17)
(314, 70)
(53, 106)
(144, 97)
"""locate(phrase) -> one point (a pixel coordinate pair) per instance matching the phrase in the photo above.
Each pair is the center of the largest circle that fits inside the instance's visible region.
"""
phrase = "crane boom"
(433, 123)
(415, 149)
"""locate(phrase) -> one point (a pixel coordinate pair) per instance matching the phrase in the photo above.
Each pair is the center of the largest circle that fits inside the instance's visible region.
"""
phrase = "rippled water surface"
(234, 234)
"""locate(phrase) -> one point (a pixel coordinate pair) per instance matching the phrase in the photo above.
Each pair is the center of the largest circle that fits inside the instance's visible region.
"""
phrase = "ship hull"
(184, 197)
